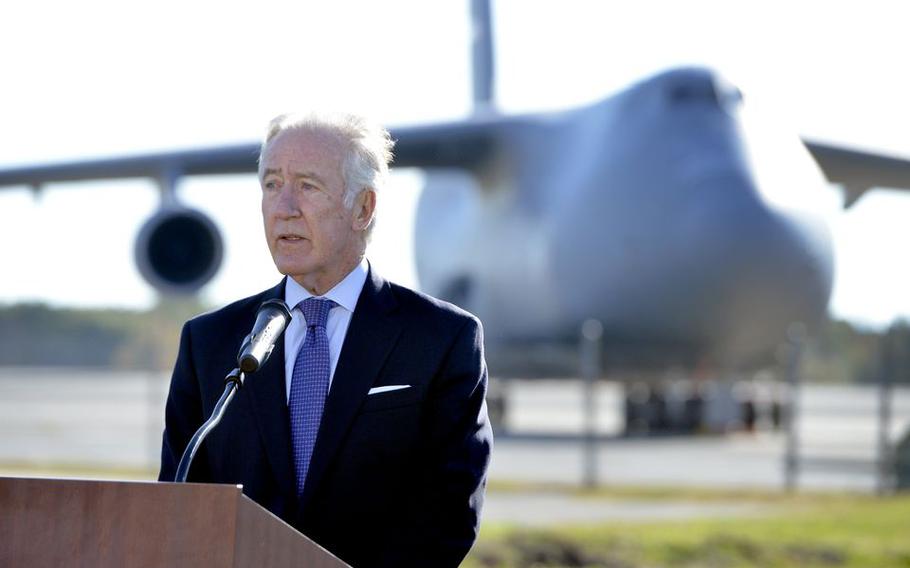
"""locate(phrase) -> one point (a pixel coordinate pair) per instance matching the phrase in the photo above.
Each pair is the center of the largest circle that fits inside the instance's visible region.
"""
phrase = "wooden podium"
(58, 522)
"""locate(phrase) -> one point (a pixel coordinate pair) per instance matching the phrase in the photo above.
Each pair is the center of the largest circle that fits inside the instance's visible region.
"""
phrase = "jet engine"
(178, 250)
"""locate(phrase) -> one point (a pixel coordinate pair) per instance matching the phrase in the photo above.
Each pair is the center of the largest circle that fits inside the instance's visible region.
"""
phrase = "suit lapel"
(268, 398)
(370, 338)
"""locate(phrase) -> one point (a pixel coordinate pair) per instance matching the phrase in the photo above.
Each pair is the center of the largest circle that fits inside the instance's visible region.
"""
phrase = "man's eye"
(270, 184)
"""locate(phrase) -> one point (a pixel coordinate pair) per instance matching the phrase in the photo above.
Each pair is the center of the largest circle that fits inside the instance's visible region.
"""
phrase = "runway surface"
(107, 420)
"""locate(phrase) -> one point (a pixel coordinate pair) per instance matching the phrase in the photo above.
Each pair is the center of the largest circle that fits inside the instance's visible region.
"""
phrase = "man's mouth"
(290, 237)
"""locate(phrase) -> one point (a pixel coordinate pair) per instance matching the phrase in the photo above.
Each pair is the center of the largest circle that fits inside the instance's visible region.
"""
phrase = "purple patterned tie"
(309, 385)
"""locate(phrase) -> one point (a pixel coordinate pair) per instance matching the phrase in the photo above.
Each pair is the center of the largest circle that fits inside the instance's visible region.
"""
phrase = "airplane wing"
(169, 165)
(462, 144)
(459, 144)
(859, 171)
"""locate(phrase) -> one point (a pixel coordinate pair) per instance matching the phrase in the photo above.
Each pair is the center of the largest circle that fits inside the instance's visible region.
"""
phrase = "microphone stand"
(232, 383)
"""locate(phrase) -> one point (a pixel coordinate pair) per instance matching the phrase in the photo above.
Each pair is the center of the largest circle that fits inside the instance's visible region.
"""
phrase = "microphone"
(272, 318)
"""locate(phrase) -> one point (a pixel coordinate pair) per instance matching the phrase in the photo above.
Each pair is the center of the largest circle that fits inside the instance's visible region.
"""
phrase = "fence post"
(796, 335)
(591, 368)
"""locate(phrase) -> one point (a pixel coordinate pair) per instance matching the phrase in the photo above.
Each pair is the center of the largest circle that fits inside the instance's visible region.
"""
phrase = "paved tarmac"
(72, 421)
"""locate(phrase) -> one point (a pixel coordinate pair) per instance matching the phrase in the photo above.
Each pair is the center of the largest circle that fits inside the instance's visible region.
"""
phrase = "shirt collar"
(345, 293)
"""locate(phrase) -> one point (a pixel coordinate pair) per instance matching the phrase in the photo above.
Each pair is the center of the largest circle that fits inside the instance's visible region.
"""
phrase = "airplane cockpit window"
(716, 92)
(691, 92)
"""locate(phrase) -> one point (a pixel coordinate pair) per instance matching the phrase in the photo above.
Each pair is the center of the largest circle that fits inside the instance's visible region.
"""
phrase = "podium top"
(51, 522)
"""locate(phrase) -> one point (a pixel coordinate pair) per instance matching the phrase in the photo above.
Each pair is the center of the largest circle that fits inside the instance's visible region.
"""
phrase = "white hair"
(368, 148)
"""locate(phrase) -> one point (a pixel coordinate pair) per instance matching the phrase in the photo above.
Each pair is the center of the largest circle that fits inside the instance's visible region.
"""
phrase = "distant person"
(367, 429)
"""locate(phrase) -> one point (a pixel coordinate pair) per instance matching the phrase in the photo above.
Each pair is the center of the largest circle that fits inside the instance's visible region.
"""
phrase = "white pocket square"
(387, 388)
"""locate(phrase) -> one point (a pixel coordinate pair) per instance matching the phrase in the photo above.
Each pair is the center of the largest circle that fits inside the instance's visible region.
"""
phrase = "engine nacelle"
(178, 250)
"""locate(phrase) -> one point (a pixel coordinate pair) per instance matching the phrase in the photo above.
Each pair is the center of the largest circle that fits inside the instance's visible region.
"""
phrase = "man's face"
(312, 236)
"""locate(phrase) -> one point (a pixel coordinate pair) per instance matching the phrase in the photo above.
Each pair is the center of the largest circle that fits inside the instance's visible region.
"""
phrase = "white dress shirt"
(345, 294)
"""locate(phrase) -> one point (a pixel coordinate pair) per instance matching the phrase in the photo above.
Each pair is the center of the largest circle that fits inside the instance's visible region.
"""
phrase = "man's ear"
(364, 209)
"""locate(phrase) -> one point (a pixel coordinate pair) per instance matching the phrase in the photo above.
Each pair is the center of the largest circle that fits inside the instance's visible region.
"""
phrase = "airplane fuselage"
(646, 211)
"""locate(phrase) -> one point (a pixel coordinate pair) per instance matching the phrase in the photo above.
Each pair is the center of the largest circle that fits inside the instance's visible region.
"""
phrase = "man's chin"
(293, 270)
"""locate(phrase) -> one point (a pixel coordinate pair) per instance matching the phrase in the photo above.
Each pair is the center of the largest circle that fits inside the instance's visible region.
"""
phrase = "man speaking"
(367, 428)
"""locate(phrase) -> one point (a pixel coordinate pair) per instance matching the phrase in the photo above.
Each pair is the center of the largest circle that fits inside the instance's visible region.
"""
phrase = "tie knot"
(316, 311)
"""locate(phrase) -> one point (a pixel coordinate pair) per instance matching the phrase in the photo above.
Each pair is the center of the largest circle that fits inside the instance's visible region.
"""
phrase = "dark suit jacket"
(396, 478)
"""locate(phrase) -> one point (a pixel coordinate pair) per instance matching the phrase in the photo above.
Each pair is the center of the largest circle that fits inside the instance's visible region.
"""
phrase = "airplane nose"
(758, 269)
(718, 268)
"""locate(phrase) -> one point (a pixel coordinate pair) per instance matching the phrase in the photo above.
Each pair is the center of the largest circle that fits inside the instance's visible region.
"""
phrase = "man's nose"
(288, 205)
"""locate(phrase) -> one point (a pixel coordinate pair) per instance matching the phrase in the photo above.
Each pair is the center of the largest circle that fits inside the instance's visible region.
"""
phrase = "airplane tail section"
(482, 55)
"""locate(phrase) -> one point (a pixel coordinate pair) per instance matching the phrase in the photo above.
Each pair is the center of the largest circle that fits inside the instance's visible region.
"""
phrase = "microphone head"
(249, 364)
(277, 305)
(271, 320)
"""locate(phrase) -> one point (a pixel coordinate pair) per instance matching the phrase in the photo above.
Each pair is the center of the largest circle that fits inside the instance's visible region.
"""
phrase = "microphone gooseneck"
(271, 320)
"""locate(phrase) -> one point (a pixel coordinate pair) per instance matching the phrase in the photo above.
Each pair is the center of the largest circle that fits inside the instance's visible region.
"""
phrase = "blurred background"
(634, 411)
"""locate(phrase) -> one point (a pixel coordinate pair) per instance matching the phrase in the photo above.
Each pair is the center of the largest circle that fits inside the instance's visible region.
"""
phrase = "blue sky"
(108, 78)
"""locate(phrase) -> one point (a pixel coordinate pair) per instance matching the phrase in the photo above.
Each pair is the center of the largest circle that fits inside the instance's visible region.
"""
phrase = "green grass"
(805, 531)
(666, 493)
(800, 530)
